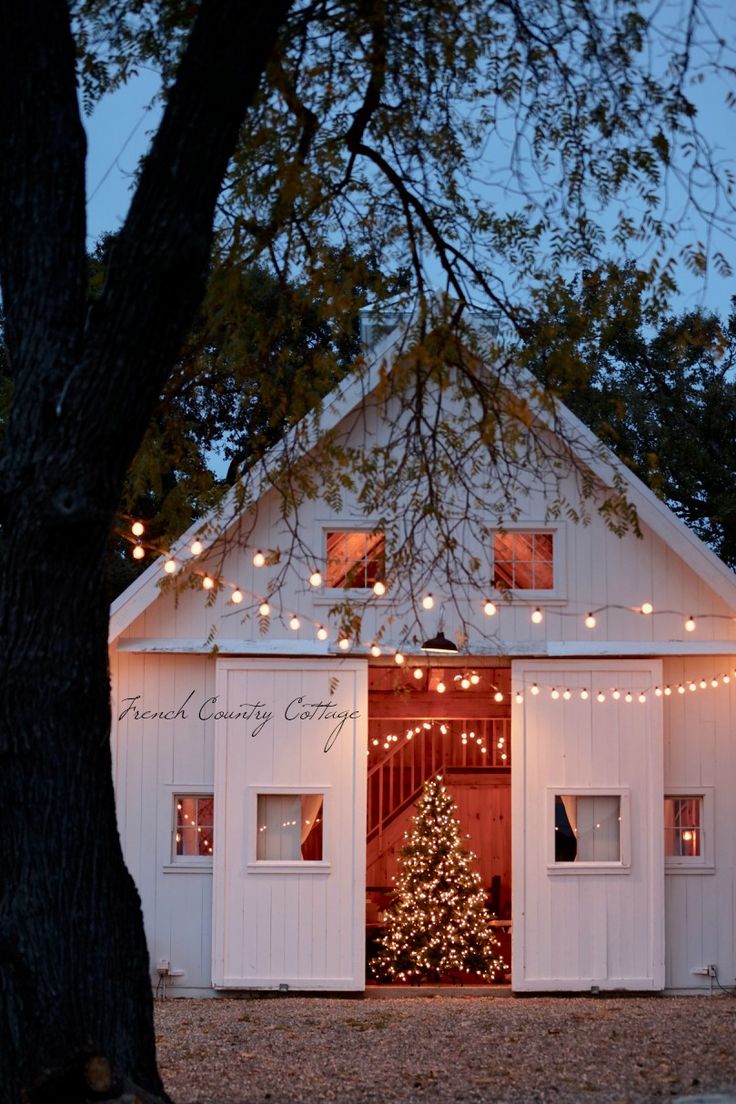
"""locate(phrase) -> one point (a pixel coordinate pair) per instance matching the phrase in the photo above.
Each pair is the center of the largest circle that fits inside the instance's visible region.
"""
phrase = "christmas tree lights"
(438, 920)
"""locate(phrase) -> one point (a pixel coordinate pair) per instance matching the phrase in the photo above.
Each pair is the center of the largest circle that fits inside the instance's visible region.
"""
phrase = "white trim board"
(552, 649)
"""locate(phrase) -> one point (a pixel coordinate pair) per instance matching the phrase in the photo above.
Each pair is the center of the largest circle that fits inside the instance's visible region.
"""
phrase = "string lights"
(171, 566)
(601, 694)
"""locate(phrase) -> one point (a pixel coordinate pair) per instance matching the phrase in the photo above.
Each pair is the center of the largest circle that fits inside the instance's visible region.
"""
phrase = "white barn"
(264, 785)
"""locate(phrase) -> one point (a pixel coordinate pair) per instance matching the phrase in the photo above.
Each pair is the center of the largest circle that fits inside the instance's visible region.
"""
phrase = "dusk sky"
(120, 128)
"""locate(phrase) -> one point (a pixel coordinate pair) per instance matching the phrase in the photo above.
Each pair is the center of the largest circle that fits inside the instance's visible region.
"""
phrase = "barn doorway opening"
(416, 731)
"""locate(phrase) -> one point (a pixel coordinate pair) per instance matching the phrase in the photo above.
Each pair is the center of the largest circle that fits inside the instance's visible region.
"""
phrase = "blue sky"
(119, 130)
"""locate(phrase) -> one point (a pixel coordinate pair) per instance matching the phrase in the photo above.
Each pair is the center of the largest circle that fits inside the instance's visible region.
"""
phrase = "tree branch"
(165, 242)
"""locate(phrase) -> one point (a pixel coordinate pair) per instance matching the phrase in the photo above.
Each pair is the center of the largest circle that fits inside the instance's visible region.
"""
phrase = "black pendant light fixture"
(439, 645)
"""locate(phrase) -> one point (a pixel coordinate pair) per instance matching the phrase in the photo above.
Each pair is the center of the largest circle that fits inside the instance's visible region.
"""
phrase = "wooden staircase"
(405, 753)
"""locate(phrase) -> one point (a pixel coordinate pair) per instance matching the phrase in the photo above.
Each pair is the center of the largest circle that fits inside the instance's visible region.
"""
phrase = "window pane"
(683, 827)
(587, 828)
(194, 824)
(355, 559)
(523, 561)
(289, 827)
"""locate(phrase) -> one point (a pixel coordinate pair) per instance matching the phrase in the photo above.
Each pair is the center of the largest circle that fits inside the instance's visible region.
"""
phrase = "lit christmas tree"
(438, 920)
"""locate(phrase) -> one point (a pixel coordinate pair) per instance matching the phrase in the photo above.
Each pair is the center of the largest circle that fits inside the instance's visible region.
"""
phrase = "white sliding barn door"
(587, 826)
(289, 861)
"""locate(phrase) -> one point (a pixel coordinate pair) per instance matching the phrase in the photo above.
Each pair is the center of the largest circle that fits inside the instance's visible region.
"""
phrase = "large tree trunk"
(75, 993)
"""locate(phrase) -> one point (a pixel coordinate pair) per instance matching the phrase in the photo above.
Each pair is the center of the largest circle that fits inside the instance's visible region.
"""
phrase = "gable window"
(356, 559)
(193, 826)
(289, 827)
(688, 830)
(523, 560)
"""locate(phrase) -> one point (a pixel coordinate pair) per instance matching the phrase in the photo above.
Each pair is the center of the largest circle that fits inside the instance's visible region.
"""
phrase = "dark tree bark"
(75, 997)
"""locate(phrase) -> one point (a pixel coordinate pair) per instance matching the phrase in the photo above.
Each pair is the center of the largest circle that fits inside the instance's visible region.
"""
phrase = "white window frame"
(558, 592)
(623, 865)
(328, 595)
(704, 863)
(286, 866)
(180, 864)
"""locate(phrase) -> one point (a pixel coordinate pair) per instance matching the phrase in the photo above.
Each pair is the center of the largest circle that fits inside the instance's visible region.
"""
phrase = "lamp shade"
(439, 645)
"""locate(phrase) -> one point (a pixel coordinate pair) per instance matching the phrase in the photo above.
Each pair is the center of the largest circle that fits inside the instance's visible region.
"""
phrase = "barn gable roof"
(347, 397)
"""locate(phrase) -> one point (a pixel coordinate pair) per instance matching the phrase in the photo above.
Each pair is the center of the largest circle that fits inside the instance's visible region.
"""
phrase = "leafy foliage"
(394, 147)
(659, 390)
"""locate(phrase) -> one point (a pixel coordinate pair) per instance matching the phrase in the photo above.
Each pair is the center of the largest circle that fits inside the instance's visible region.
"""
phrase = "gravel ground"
(442, 1048)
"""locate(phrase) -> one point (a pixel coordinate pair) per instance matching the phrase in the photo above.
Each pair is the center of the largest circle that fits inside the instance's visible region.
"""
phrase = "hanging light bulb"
(537, 616)
(208, 582)
(658, 691)
(322, 633)
(379, 588)
(343, 644)
(427, 602)
(692, 687)
(616, 695)
(441, 687)
(534, 689)
(703, 684)
(475, 678)
(647, 608)
(566, 694)
(264, 609)
(590, 621)
(680, 689)
(726, 679)
(628, 697)
(714, 683)
(294, 623)
(690, 624)
(138, 551)
(398, 658)
(489, 608)
(258, 558)
(600, 697)
(417, 673)
(315, 579)
(375, 651)
(519, 698)
(642, 698)
(668, 691)
(498, 696)
(584, 695)
(170, 566)
(236, 596)
(555, 693)
(196, 548)
(137, 529)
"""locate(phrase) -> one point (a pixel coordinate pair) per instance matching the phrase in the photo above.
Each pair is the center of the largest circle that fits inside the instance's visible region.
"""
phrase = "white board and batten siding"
(597, 924)
(700, 760)
(290, 923)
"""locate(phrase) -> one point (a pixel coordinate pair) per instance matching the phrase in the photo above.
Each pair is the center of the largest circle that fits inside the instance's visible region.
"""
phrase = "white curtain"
(598, 828)
(279, 826)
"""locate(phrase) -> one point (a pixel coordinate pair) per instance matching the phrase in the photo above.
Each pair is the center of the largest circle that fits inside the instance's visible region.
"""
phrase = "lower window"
(587, 828)
(689, 830)
(683, 827)
(289, 827)
(193, 826)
